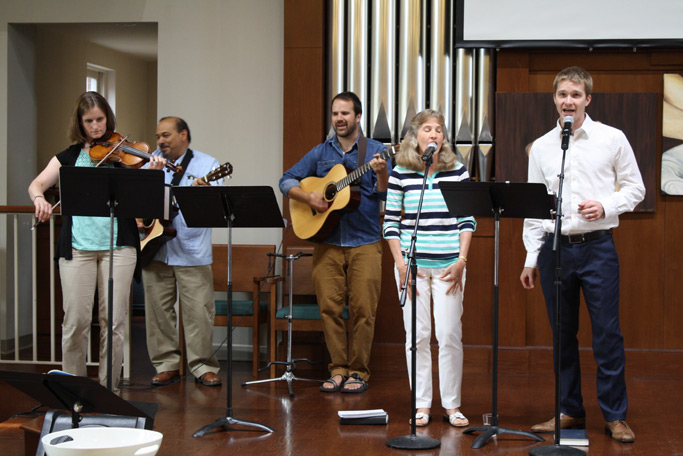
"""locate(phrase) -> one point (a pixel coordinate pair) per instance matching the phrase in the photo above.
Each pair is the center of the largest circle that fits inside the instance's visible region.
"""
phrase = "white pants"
(79, 277)
(448, 327)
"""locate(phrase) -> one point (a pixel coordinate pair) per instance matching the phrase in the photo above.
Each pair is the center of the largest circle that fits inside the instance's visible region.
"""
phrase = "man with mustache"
(181, 269)
(348, 263)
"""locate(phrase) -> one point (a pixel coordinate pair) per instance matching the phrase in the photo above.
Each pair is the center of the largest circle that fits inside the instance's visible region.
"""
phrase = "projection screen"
(579, 23)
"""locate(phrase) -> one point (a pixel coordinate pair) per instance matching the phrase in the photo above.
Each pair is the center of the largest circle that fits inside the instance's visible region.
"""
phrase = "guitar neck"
(358, 172)
(225, 170)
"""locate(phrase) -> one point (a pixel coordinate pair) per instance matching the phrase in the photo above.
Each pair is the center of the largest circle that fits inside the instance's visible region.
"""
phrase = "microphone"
(568, 122)
(431, 148)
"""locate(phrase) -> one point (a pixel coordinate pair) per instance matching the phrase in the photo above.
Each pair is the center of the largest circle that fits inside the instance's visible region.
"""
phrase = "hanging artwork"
(672, 132)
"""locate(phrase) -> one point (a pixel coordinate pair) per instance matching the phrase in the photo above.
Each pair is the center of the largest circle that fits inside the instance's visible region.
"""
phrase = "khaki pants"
(355, 272)
(79, 276)
(194, 285)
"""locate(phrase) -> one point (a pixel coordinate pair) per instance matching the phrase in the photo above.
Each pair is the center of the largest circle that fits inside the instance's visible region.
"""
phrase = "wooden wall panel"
(304, 87)
(477, 317)
(303, 103)
(304, 23)
(521, 117)
(670, 255)
(389, 322)
(641, 299)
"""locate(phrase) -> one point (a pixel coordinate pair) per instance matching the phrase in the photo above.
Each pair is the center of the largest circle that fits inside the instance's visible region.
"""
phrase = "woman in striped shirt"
(443, 241)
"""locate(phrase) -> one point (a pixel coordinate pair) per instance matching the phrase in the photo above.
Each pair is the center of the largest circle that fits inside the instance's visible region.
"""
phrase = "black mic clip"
(431, 148)
(568, 123)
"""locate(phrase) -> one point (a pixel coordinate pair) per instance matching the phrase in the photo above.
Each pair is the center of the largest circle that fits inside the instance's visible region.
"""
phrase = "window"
(103, 81)
(94, 80)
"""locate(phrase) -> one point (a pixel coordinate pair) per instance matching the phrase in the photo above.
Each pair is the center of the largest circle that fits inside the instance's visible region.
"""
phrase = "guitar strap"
(176, 180)
(362, 149)
(183, 165)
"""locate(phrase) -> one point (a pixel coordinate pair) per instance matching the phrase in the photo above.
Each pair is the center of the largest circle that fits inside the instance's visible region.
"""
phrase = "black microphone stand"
(413, 441)
(556, 448)
(110, 294)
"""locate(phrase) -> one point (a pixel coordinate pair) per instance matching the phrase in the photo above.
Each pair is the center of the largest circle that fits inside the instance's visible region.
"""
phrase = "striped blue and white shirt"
(438, 235)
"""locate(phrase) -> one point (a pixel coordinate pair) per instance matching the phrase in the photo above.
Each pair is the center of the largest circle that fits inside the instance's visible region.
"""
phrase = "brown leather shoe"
(165, 378)
(209, 379)
(619, 430)
(566, 422)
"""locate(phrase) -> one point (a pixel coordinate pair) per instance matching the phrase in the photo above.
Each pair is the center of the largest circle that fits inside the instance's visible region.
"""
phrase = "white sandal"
(421, 416)
(451, 419)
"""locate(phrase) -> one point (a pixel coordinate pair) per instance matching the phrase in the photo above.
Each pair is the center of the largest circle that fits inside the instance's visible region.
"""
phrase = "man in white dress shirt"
(602, 180)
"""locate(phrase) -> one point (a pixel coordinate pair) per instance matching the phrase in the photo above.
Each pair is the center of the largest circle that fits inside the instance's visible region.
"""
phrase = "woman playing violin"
(83, 248)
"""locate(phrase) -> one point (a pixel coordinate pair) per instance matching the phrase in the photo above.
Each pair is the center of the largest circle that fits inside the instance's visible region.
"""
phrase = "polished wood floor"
(307, 423)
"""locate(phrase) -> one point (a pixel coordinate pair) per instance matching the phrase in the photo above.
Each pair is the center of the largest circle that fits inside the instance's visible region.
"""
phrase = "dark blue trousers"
(593, 267)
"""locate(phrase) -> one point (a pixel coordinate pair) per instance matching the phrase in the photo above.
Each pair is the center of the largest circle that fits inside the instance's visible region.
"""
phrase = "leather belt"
(580, 238)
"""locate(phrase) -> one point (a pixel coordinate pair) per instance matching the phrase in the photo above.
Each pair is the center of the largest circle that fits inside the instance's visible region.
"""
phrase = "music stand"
(290, 364)
(228, 207)
(111, 192)
(497, 199)
(78, 395)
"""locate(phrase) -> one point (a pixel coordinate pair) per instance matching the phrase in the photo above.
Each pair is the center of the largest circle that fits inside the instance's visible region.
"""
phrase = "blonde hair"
(409, 155)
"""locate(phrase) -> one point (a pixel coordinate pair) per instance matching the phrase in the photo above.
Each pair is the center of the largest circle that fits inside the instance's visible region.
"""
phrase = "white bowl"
(103, 441)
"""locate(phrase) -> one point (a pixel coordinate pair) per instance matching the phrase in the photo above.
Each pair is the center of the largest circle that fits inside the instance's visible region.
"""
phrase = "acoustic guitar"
(156, 233)
(335, 187)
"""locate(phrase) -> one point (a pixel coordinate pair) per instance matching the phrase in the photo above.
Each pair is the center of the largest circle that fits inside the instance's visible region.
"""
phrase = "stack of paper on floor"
(574, 437)
(376, 416)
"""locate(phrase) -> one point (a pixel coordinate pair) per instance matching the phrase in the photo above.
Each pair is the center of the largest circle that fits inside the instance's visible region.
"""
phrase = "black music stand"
(228, 207)
(497, 199)
(111, 192)
(78, 395)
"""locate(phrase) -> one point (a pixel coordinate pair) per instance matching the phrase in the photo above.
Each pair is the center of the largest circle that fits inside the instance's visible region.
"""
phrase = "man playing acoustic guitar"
(181, 267)
(348, 261)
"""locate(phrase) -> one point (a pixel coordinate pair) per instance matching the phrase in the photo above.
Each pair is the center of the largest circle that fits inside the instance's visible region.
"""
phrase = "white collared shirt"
(600, 165)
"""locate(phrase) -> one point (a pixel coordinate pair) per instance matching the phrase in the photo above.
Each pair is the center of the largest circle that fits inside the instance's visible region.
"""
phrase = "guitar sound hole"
(330, 192)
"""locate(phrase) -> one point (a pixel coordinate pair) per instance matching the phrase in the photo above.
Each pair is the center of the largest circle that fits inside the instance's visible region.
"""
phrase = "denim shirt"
(361, 226)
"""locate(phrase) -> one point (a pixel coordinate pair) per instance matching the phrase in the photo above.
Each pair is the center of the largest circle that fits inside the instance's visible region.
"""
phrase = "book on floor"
(574, 437)
(375, 416)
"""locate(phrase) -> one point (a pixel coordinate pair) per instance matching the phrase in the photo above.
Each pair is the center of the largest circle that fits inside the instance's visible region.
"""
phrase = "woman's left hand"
(453, 274)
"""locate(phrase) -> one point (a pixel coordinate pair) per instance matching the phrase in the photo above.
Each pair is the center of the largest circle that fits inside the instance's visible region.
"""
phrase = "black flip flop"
(355, 378)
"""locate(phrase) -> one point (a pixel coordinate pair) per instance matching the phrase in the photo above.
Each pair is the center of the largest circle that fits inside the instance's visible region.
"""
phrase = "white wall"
(220, 67)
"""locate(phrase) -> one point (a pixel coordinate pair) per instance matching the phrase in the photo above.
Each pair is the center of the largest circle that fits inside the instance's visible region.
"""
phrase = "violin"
(118, 149)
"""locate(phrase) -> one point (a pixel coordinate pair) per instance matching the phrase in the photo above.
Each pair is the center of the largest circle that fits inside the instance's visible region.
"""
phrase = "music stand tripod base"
(492, 431)
(413, 442)
(290, 364)
(229, 421)
(288, 376)
(556, 450)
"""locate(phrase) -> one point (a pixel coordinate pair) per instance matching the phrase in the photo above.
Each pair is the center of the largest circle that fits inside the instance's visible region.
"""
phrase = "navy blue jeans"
(593, 267)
